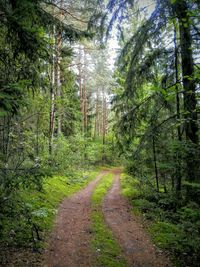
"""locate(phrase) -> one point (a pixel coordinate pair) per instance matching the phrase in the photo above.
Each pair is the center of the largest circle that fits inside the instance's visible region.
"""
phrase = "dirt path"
(137, 248)
(69, 244)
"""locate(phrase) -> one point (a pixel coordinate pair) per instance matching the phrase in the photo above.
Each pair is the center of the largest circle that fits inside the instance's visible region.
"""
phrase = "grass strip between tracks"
(106, 249)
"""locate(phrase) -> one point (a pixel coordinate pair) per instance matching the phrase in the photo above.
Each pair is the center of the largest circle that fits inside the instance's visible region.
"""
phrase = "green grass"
(35, 211)
(172, 227)
(129, 186)
(107, 250)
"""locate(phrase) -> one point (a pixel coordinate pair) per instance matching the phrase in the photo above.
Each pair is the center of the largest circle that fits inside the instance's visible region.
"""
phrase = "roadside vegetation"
(31, 213)
(173, 225)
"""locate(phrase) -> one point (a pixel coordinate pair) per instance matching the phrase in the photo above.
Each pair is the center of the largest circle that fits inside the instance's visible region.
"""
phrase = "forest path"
(135, 243)
(69, 244)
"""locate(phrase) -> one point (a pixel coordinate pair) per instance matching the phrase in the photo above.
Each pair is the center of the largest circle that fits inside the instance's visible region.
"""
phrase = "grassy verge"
(107, 250)
(34, 211)
(174, 226)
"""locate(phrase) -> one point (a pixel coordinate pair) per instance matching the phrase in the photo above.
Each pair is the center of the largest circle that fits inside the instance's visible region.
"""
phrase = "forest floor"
(70, 242)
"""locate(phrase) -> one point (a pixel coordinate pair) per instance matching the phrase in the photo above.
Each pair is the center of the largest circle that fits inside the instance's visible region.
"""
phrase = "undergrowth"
(174, 224)
(107, 250)
(30, 215)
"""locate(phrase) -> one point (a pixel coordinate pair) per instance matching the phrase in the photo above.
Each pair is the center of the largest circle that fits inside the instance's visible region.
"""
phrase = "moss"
(129, 186)
(35, 211)
(173, 223)
(166, 234)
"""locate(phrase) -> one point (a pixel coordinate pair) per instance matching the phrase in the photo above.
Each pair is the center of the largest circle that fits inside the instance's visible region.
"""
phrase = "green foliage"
(29, 214)
(174, 223)
(129, 186)
(166, 235)
(106, 249)
(193, 190)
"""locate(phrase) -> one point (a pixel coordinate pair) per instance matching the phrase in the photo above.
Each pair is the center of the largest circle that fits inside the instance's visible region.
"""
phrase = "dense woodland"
(65, 108)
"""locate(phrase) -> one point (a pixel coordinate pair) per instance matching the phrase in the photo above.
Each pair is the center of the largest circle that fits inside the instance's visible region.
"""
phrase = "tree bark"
(96, 126)
(52, 109)
(190, 101)
(178, 116)
(104, 126)
(155, 164)
(58, 73)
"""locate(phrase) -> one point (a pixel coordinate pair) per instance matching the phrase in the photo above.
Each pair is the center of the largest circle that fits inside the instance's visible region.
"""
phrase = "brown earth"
(69, 245)
(135, 243)
(70, 242)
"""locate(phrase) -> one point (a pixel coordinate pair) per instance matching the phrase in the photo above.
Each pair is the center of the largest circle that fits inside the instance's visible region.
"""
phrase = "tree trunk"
(58, 72)
(190, 102)
(81, 88)
(104, 126)
(155, 164)
(58, 80)
(85, 99)
(52, 109)
(96, 114)
(178, 116)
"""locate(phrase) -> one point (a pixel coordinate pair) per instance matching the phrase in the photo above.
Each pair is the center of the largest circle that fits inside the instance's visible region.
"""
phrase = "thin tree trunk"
(96, 115)
(178, 116)
(155, 164)
(58, 81)
(52, 95)
(52, 109)
(85, 100)
(104, 109)
(37, 135)
(81, 89)
(58, 72)
(85, 108)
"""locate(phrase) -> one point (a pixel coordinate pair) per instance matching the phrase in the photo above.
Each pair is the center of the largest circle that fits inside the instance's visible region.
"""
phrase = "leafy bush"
(166, 235)
(193, 191)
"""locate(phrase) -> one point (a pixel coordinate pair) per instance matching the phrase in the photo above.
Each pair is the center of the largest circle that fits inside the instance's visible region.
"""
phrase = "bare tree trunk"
(58, 81)
(155, 164)
(85, 99)
(85, 108)
(52, 108)
(104, 111)
(96, 126)
(190, 102)
(58, 72)
(37, 135)
(81, 89)
(178, 116)
(6, 137)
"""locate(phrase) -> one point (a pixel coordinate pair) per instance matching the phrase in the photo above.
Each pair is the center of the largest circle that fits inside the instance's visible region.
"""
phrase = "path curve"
(69, 244)
(135, 243)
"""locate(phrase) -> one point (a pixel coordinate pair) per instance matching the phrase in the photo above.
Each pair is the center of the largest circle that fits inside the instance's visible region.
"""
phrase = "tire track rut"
(135, 243)
(69, 244)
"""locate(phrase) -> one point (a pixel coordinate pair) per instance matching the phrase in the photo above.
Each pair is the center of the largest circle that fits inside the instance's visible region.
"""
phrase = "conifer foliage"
(65, 108)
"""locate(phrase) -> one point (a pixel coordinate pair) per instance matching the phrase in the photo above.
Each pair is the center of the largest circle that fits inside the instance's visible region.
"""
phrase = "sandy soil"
(135, 243)
(69, 245)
